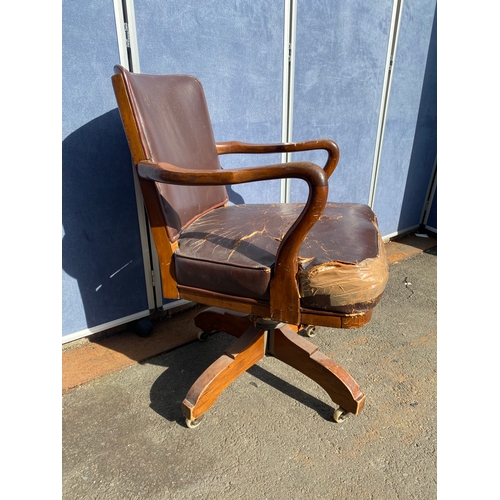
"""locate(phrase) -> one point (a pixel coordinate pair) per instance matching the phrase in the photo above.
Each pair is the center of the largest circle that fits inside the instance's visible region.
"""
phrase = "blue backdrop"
(410, 140)
(340, 64)
(103, 267)
(236, 49)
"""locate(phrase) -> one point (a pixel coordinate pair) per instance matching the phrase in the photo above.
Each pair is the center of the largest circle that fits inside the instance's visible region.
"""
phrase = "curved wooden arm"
(292, 147)
(172, 174)
(285, 299)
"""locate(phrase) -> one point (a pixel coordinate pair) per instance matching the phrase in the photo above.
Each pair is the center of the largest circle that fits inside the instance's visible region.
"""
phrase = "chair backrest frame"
(165, 248)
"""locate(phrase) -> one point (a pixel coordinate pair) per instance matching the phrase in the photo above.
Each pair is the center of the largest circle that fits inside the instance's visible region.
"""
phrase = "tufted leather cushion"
(231, 250)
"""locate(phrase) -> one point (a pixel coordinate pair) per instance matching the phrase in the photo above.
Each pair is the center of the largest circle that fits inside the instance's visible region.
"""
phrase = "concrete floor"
(270, 435)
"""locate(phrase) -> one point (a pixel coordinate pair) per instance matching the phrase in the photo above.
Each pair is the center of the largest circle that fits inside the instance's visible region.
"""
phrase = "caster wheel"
(339, 415)
(143, 328)
(203, 336)
(310, 331)
(192, 424)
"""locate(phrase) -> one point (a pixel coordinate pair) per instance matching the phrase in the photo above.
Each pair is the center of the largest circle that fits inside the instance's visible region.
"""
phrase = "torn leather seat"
(232, 250)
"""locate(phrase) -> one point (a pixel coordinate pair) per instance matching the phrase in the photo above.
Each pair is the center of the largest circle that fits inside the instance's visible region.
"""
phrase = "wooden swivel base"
(256, 340)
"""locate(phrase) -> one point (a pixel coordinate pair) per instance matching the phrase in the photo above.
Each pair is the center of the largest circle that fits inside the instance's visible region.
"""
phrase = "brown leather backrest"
(171, 115)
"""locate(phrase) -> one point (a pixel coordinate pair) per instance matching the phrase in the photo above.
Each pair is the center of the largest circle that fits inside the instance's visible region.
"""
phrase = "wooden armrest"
(172, 174)
(285, 299)
(292, 147)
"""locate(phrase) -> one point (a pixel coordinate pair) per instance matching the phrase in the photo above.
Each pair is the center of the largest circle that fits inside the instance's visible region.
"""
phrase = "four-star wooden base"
(256, 339)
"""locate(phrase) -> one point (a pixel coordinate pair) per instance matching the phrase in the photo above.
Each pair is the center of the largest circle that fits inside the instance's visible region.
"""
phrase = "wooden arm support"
(285, 299)
(293, 147)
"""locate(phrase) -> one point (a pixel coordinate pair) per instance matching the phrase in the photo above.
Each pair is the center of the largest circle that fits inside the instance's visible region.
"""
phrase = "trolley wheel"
(339, 415)
(310, 331)
(192, 424)
(143, 327)
(203, 335)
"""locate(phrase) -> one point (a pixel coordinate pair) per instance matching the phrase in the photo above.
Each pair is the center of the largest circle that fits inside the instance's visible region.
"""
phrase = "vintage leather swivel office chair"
(265, 270)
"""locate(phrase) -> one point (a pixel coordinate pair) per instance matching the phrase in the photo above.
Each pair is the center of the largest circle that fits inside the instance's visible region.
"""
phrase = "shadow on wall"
(424, 149)
(101, 247)
(234, 197)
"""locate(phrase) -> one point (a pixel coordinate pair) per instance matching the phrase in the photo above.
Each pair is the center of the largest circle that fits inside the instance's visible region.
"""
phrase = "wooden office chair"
(264, 270)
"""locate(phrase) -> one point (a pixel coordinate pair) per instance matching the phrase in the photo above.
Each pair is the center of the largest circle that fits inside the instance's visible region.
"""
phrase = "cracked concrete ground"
(270, 435)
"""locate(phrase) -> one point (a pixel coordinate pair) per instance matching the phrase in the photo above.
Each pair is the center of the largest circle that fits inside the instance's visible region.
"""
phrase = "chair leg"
(304, 356)
(238, 358)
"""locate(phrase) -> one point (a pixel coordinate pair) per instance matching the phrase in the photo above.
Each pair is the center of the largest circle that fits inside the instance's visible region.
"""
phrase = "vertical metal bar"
(146, 243)
(120, 33)
(129, 58)
(289, 42)
(132, 49)
(127, 34)
(386, 89)
(429, 197)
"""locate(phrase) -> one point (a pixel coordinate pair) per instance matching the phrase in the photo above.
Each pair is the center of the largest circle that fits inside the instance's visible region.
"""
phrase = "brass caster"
(192, 424)
(339, 415)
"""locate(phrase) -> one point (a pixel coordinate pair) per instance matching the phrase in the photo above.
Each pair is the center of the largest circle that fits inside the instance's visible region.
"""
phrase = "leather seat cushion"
(231, 250)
